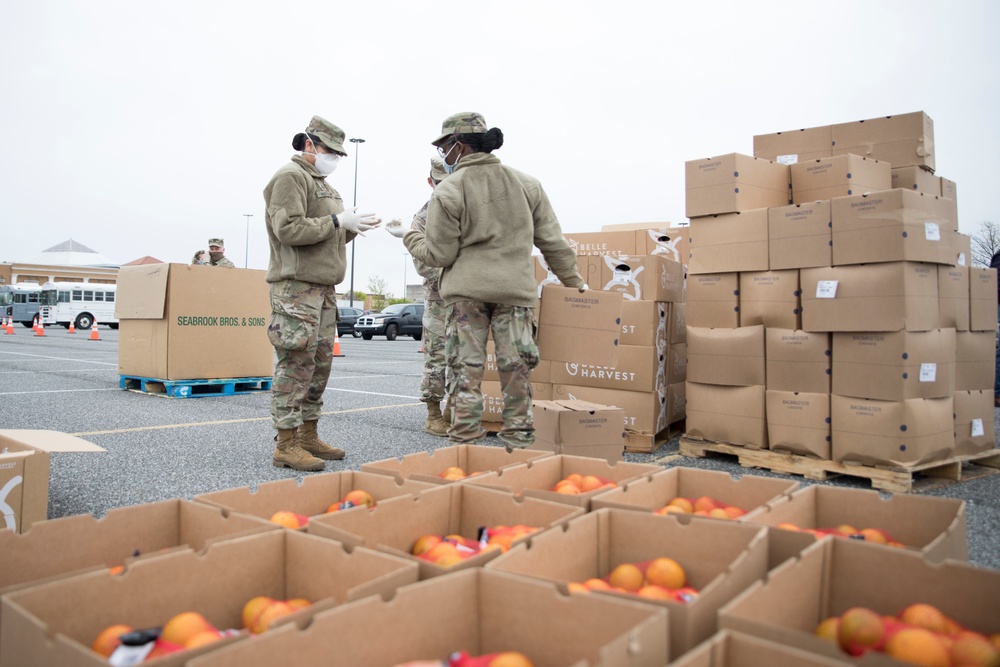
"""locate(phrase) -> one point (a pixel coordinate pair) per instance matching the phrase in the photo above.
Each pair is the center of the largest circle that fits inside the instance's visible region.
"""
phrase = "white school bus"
(81, 304)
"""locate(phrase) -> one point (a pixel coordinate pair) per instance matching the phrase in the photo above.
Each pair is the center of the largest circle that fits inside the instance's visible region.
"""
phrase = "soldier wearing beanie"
(217, 254)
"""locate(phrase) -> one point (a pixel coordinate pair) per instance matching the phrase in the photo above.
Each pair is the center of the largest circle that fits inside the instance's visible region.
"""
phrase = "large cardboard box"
(721, 559)
(580, 428)
(799, 236)
(963, 249)
(582, 327)
(713, 300)
(894, 366)
(478, 611)
(732, 183)
(657, 238)
(539, 374)
(953, 296)
(428, 466)
(770, 298)
(795, 145)
(545, 276)
(492, 418)
(917, 179)
(897, 434)
(902, 140)
(645, 277)
(975, 360)
(456, 509)
(676, 402)
(729, 242)
(645, 323)
(612, 243)
(55, 623)
(890, 226)
(24, 472)
(933, 527)
(798, 423)
(982, 299)
(643, 411)
(639, 368)
(797, 361)
(677, 362)
(677, 323)
(728, 648)
(838, 176)
(733, 357)
(891, 296)
(734, 415)
(181, 322)
(974, 422)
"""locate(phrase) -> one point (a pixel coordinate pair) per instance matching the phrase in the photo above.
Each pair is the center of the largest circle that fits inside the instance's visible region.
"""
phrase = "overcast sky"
(145, 127)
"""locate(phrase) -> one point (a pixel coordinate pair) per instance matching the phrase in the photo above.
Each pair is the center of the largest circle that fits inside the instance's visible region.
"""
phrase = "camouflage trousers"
(432, 382)
(514, 328)
(302, 329)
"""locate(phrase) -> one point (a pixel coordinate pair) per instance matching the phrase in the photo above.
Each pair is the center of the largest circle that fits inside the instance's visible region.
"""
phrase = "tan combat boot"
(289, 454)
(309, 439)
(436, 424)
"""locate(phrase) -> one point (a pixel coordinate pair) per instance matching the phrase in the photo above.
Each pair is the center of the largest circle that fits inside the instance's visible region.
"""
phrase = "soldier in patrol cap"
(308, 231)
(217, 254)
(483, 222)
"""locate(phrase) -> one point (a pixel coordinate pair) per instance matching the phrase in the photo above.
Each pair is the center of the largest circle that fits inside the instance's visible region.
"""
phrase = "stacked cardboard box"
(842, 321)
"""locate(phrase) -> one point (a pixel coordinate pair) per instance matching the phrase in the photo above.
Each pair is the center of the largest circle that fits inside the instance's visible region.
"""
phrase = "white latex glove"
(358, 222)
(396, 228)
(584, 287)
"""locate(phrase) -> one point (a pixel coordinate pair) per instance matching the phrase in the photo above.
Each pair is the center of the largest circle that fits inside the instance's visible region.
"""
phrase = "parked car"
(399, 318)
(346, 317)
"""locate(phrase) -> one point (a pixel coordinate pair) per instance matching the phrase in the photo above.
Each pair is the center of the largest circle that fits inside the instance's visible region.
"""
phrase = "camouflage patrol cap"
(437, 169)
(218, 242)
(466, 122)
(331, 135)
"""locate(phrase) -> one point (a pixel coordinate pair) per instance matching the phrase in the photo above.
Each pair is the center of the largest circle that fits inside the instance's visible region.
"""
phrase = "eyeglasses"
(444, 153)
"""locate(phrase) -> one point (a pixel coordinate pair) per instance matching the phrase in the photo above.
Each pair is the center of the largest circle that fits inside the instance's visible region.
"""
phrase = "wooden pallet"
(894, 480)
(645, 443)
(195, 388)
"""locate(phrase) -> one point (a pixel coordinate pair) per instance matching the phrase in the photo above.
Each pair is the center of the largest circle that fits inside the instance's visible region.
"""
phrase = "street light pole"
(246, 257)
(405, 257)
(357, 149)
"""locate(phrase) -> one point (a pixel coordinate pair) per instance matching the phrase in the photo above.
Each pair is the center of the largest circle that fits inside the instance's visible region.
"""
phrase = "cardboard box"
(639, 368)
(890, 226)
(677, 363)
(894, 366)
(603, 243)
(645, 323)
(963, 249)
(676, 402)
(720, 558)
(953, 297)
(933, 527)
(643, 277)
(477, 611)
(677, 324)
(24, 472)
(974, 422)
(898, 434)
(903, 140)
(797, 361)
(975, 360)
(733, 357)
(728, 648)
(713, 300)
(734, 415)
(893, 296)
(44, 626)
(428, 466)
(456, 509)
(832, 576)
(838, 176)
(582, 327)
(770, 298)
(795, 145)
(799, 236)
(798, 423)
(643, 411)
(732, 183)
(580, 428)
(949, 193)
(545, 276)
(492, 417)
(729, 242)
(539, 374)
(181, 322)
(917, 179)
(657, 238)
(982, 299)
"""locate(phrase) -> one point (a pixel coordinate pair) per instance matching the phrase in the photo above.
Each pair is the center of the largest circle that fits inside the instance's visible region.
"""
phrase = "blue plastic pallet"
(195, 388)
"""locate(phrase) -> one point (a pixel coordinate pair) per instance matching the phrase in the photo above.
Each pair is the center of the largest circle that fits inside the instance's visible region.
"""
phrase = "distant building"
(69, 261)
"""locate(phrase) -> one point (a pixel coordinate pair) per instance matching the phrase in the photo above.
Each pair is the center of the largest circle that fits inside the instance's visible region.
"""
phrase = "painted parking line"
(55, 391)
(45, 357)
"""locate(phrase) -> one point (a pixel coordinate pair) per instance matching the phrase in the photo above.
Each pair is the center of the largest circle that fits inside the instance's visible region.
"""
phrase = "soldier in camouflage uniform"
(217, 254)
(308, 232)
(483, 222)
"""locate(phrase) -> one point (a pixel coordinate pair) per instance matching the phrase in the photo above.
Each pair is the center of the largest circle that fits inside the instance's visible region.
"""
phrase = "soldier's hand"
(395, 227)
(584, 287)
(358, 222)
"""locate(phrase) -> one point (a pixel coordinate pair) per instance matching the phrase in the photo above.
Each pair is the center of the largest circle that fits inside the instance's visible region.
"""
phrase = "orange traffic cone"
(93, 332)
(40, 331)
(34, 324)
(72, 327)
(10, 327)
(336, 345)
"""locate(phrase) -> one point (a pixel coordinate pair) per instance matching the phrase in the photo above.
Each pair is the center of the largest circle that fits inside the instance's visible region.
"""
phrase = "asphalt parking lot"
(160, 448)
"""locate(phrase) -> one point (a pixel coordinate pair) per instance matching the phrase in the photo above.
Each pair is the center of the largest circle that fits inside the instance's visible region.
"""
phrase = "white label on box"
(977, 428)
(787, 159)
(826, 289)
(928, 372)
(932, 232)
(961, 259)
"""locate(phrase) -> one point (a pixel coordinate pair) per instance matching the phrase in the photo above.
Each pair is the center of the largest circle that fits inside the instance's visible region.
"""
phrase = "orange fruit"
(452, 473)
(510, 659)
(654, 592)
(972, 648)
(874, 535)
(203, 638)
(162, 648)
(116, 570)
(705, 503)
(718, 513)
(672, 509)
(286, 519)
(270, 613)
(568, 489)
(595, 584)
(666, 572)
(359, 497)
(995, 638)
(574, 478)
(424, 543)
(503, 541)
(845, 529)
(827, 629)
(734, 512)
(591, 483)
(626, 576)
(683, 503)
(298, 603)
(448, 560)
(789, 526)
(185, 625)
(253, 607)
(107, 640)
(917, 646)
(860, 629)
(925, 616)
(576, 587)
(440, 550)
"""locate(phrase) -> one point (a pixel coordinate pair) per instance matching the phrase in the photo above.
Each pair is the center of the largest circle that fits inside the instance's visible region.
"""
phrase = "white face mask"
(326, 163)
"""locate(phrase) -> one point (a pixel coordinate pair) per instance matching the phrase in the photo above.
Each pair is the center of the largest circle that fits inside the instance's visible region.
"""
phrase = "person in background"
(217, 254)
(308, 231)
(200, 257)
(995, 265)
(483, 221)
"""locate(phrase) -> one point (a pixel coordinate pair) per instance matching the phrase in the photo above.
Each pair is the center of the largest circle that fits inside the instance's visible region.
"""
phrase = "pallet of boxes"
(835, 324)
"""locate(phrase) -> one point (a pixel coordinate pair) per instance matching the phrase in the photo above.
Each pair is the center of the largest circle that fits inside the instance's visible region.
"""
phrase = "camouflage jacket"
(430, 274)
(304, 244)
(483, 223)
(224, 262)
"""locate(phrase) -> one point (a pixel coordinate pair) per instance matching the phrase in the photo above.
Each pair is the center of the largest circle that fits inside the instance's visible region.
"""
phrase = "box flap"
(49, 441)
(582, 327)
(142, 292)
